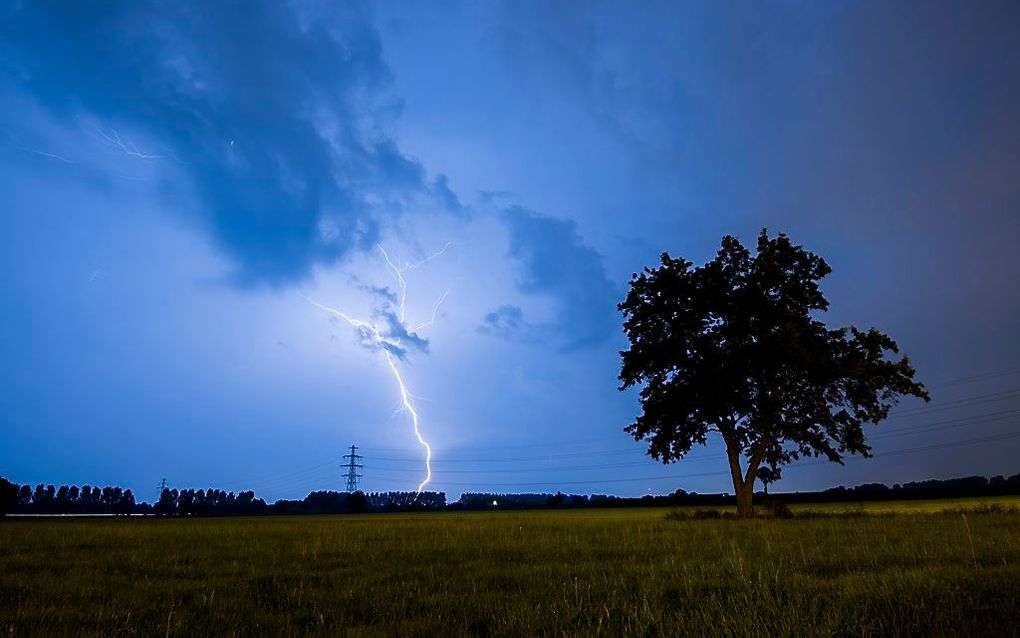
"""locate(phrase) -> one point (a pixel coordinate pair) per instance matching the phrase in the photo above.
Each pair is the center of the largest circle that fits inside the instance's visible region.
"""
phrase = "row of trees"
(67, 499)
(213, 502)
(70, 499)
(329, 502)
(968, 486)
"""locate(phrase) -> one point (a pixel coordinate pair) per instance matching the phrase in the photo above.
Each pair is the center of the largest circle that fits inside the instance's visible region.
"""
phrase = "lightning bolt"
(374, 337)
(114, 140)
(405, 397)
(59, 158)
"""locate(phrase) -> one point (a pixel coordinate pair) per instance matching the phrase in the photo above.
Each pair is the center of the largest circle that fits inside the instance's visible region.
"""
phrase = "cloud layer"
(554, 261)
(278, 117)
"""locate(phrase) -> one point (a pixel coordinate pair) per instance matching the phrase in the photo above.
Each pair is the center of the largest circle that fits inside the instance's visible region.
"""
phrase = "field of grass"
(910, 507)
(577, 572)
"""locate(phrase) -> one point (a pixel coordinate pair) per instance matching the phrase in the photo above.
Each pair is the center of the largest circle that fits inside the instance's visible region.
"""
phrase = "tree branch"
(756, 456)
(734, 456)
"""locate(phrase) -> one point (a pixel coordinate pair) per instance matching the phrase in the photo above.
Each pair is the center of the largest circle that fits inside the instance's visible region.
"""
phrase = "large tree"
(735, 347)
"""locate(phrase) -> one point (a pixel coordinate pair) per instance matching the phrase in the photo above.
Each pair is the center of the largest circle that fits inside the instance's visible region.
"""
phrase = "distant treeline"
(47, 499)
(969, 486)
(326, 502)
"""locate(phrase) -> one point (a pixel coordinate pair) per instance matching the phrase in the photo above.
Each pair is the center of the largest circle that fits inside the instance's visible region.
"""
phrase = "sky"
(181, 180)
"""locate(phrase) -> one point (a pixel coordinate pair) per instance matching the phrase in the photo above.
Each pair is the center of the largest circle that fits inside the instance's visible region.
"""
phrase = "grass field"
(539, 572)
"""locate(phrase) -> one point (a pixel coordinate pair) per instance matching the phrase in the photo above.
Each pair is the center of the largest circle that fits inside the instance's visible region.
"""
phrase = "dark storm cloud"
(554, 261)
(441, 191)
(506, 322)
(275, 114)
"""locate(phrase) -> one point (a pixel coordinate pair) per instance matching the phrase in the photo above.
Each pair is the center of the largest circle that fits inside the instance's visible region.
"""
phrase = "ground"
(905, 568)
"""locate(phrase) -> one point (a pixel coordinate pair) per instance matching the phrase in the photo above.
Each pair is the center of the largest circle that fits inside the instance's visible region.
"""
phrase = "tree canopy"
(735, 347)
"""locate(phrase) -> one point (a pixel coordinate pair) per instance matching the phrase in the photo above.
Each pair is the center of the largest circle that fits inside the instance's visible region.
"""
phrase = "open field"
(575, 572)
(910, 507)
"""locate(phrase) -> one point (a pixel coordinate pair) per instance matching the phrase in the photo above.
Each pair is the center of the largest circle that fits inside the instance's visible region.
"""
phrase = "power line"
(283, 476)
(945, 383)
(923, 410)
(564, 468)
(952, 423)
(504, 459)
(545, 444)
(318, 475)
(975, 377)
(964, 402)
(1000, 437)
(935, 426)
(315, 473)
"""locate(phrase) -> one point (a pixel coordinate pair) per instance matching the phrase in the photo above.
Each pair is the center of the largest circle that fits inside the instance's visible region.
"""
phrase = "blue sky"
(179, 177)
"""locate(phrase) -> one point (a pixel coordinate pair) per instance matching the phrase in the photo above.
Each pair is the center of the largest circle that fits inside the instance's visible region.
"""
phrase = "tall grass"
(514, 573)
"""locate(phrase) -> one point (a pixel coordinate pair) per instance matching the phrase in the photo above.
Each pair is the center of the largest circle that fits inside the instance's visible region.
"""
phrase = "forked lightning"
(379, 337)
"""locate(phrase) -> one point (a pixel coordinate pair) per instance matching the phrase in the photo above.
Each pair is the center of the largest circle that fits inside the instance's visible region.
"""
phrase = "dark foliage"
(8, 497)
(734, 347)
(190, 502)
(776, 508)
(48, 499)
(213, 502)
(327, 502)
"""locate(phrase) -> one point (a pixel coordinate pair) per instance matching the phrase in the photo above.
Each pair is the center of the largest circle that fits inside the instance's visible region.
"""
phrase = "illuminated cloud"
(285, 143)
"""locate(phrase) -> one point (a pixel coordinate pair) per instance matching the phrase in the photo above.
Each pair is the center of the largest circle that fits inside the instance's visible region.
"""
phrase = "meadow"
(908, 568)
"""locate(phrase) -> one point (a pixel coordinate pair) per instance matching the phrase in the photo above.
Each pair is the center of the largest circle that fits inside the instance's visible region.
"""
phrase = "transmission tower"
(352, 466)
(162, 486)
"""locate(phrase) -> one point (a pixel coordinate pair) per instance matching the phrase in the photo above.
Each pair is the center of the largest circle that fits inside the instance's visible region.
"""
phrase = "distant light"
(495, 503)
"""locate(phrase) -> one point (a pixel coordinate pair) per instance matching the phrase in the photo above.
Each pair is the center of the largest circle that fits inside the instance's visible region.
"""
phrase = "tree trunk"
(744, 489)
(745, 494)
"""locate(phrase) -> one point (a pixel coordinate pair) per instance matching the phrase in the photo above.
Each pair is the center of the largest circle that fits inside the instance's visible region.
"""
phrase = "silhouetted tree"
(356, 502)
(45, 498)
(186, 502)
(8, 496)
(733, 347)
(201, 505)
(406, 501)
(556, 500)
(25, 497)
(62, 502)
(126, 504)
(110, 496)
(767, 476)
(167, 504)
(39, 498)
(85, 498)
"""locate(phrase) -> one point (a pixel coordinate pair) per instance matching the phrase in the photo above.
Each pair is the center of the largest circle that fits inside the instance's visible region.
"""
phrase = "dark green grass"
(583, 572)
